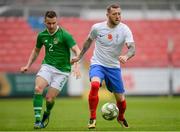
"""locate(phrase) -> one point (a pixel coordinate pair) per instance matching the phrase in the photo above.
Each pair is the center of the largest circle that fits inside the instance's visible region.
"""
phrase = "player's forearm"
(86, 46)
(32, 57)
(76, 50)
(131, 51)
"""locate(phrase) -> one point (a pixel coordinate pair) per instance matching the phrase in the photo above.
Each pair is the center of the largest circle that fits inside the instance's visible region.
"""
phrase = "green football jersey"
(57, 48)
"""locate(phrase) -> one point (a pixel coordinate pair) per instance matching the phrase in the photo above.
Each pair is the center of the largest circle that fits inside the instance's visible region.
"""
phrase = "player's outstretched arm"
(32, 58)
(86, 46)
(75, 70)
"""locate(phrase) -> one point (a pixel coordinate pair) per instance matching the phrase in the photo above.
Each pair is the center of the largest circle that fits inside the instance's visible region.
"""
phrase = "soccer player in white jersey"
(110, 36)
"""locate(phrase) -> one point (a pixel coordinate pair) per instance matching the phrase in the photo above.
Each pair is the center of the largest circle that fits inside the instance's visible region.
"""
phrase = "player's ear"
(107, 14)
(44, 21)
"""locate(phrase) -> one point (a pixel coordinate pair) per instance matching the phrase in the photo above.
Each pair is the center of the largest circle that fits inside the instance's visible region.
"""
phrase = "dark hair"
(112, 6)
(50, 14)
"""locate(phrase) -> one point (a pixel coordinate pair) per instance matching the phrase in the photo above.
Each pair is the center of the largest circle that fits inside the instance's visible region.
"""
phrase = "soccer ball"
(109, 111)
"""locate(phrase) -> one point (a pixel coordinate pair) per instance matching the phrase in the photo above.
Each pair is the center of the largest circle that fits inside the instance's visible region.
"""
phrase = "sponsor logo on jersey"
(102, 35)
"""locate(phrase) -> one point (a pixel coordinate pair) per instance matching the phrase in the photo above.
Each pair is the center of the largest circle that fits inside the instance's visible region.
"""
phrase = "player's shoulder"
(123, 25)
(42, 33)
(99, 25)
(61, 29)
(64, 32)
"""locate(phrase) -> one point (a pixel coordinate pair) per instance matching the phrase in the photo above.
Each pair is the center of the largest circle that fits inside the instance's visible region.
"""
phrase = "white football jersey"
(109, 43)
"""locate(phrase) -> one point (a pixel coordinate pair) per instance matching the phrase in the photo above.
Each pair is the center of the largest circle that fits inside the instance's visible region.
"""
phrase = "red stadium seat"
(151, 36)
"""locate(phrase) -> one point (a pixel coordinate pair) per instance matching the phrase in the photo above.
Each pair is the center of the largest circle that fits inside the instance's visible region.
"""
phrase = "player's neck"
(53, 32)
(111, 25)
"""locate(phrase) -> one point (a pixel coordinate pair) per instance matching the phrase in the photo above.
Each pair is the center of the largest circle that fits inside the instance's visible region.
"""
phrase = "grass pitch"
(71, 114)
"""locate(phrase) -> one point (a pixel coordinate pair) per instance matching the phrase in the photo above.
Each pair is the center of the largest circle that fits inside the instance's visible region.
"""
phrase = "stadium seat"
(18, 37)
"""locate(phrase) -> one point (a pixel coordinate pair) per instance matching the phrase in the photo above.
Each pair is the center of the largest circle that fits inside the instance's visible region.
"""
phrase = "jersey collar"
(54, 31)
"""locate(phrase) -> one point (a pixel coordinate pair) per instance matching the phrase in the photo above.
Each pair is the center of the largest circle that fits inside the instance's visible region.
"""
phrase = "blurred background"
(155, 70)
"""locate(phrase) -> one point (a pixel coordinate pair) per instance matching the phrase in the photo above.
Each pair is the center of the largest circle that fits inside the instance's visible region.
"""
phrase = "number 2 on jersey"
(50, 48)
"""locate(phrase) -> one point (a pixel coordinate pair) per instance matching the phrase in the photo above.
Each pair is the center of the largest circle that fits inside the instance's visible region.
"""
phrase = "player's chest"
(52, 40)
(106, 37)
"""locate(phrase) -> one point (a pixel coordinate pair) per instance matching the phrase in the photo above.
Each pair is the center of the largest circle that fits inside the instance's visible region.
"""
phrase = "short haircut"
(50, 14)
(112, 6)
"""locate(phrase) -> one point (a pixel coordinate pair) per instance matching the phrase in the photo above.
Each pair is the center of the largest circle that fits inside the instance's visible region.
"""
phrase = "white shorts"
(53, 76)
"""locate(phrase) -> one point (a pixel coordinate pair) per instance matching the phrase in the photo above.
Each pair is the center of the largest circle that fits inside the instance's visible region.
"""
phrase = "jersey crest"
(110, 36)
(55, 41)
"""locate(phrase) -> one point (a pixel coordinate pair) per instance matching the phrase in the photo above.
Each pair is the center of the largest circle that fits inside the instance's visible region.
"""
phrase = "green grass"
(71, 114)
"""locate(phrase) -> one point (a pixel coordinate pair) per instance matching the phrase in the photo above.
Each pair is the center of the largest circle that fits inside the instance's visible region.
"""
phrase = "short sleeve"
(93, 32)
(39, 43)
(69, 39)
(128, 35)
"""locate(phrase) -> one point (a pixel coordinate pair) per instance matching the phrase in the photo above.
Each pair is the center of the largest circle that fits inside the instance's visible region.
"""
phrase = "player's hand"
(76, 72)
(123, 59)
(74, 60)
(24, 69)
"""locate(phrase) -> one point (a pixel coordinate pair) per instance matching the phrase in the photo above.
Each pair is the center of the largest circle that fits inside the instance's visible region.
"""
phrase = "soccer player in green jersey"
(55, 67)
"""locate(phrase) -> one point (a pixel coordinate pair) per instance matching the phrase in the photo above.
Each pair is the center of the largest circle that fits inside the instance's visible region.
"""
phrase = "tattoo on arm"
(86, 46)
(131, 50)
